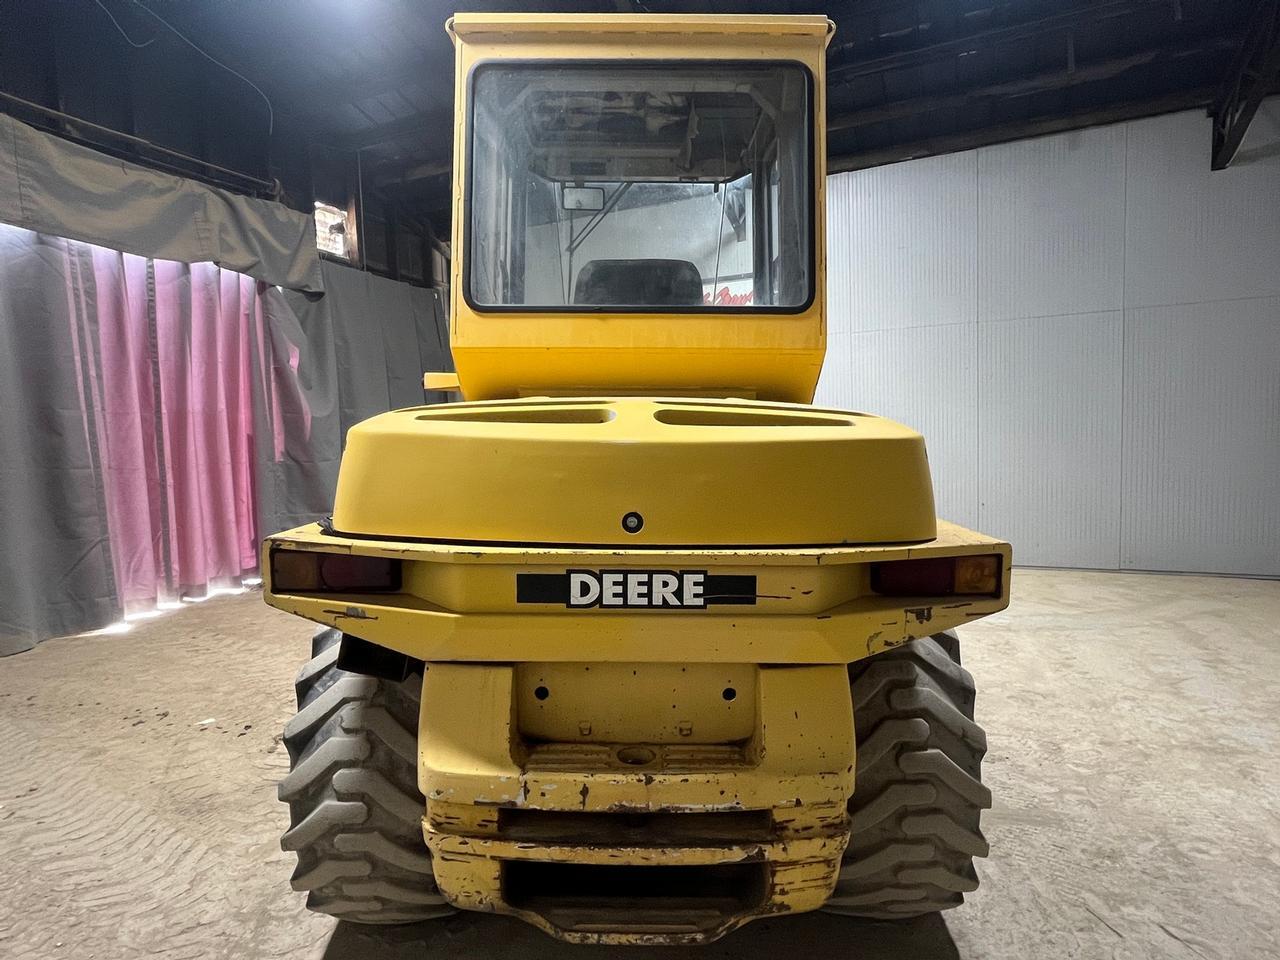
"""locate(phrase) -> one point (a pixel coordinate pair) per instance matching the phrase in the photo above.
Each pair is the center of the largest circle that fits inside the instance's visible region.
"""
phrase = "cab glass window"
(662, 187)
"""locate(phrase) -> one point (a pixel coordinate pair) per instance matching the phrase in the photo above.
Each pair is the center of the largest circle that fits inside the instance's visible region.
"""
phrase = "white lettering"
(664, 590)
(584, 590)
(637, 589)
(611, 584)
(693, 589)
(634, 589)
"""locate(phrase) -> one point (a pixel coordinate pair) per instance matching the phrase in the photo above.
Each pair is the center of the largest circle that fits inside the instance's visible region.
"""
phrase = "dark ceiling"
(906, 79)
(374, 79)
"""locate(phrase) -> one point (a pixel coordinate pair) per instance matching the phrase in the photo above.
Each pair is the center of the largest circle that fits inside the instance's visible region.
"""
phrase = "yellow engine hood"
(694, 472)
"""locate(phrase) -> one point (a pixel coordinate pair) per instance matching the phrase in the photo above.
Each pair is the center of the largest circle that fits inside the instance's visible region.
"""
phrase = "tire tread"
(354, 808)
(918, 793)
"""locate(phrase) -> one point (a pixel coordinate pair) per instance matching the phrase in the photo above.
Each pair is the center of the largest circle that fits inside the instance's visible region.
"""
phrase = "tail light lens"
(304, 571)
(938, 576)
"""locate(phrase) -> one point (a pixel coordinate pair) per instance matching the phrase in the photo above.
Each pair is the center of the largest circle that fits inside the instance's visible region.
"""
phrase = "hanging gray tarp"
(56, 187)
(56, 577)
(360, 350)
(119, 377)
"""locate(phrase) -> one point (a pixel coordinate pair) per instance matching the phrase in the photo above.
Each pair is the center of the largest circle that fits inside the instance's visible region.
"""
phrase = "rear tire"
(918, 792)
(354, 807)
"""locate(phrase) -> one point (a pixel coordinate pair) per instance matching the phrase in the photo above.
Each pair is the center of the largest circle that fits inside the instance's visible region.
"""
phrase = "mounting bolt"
(632, 522)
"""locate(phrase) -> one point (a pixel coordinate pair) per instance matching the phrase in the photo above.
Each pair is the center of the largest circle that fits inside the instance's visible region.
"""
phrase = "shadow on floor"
(476, 936)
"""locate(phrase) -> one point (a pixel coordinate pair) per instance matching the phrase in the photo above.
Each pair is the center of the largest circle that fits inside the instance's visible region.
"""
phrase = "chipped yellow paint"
(796, 766)
(813, 605)
(622, 698)
(716, 741)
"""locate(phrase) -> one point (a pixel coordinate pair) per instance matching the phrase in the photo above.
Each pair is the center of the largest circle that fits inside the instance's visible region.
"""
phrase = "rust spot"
(921, 614)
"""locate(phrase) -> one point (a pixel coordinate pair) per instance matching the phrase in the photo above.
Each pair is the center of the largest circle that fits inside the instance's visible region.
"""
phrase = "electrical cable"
(128, 39)
(271, 114)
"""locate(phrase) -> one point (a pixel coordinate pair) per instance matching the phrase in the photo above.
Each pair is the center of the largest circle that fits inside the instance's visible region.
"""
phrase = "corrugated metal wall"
(1086, 328)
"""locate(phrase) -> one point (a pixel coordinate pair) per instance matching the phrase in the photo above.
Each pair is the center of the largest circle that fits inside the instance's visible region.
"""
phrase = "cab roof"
(469, 25)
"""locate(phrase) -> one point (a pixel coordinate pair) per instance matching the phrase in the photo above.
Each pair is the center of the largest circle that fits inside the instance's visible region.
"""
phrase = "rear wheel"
(354, 807)
(918, 792)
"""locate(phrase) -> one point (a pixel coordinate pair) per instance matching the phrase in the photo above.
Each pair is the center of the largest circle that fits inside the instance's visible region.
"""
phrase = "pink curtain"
(170, 363)
(159, 417)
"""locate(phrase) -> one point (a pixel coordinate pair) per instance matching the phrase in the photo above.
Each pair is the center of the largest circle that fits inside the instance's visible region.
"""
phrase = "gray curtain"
(362, 349)
(326, 364)
(56, 576)
(63, 189)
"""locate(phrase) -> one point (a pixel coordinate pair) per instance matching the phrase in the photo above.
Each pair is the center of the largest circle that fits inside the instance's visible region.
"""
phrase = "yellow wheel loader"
(633, 643)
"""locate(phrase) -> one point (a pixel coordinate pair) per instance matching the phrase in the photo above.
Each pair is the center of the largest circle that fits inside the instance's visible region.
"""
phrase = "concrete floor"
(1134, 724)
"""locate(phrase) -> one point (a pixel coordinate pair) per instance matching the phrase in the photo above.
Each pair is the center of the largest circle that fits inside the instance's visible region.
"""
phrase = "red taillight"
(937, 576)
(304, 571)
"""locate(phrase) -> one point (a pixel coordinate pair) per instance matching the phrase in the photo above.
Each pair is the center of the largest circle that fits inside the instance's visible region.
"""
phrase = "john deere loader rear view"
(634, 644)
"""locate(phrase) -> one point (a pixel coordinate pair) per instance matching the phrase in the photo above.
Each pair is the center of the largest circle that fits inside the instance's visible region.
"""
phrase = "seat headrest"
(638, 283)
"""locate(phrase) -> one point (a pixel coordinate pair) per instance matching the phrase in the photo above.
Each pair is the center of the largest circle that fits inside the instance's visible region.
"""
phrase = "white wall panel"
(904, 239)
(1202, 438)
(835, 385)
(1019, 306)
(1049, 396)
(924, 377)
(1195, 234)
(1051, 225)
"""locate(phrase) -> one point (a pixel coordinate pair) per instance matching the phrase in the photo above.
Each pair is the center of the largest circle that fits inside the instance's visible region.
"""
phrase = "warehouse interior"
(1052, 247)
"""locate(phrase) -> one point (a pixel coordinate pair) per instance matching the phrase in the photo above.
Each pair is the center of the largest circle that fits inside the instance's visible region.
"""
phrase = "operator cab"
(641, 213)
